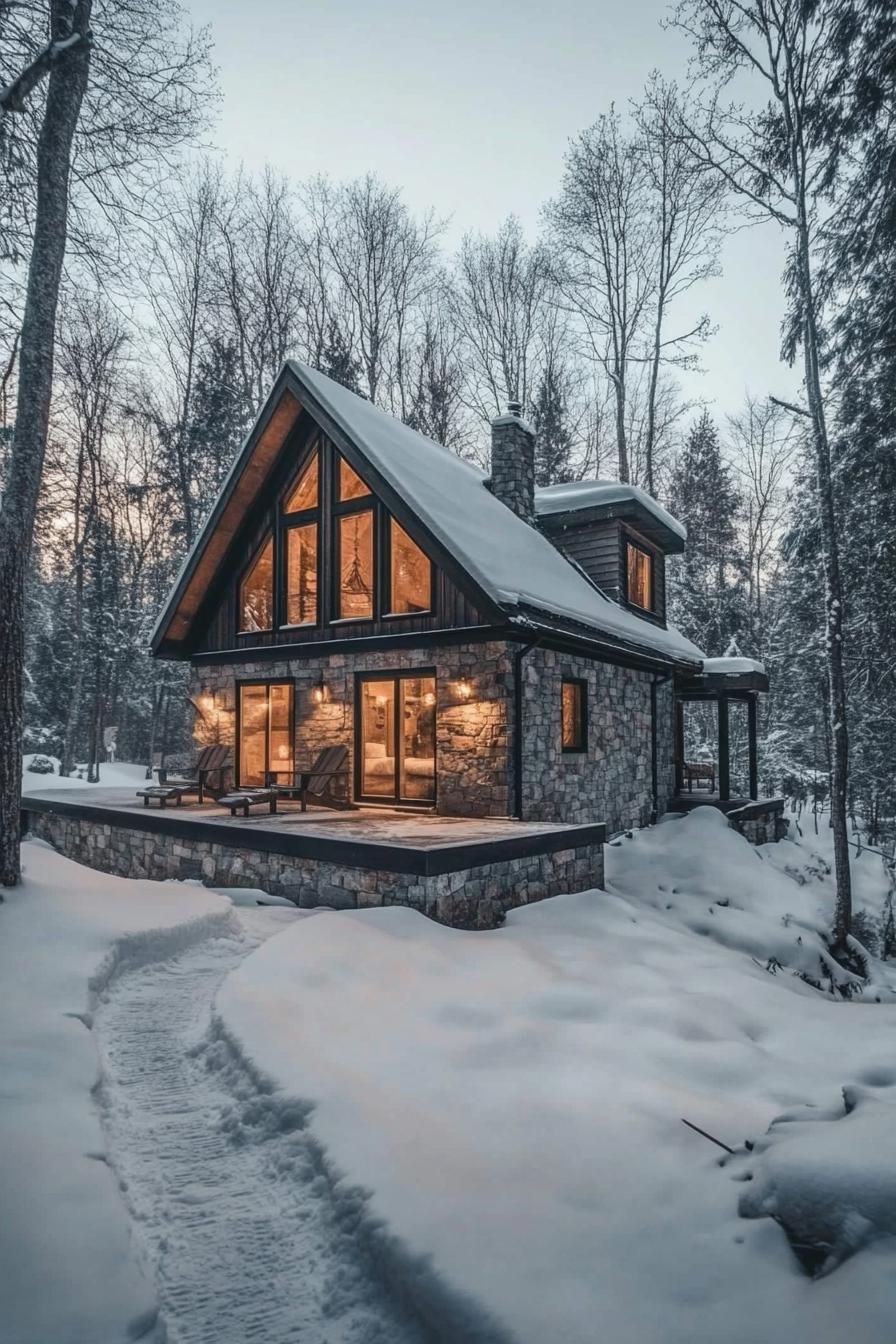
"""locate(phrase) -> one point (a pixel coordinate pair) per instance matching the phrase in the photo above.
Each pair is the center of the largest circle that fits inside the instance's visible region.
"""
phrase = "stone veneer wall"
(475, 897)
(612, 780)
(472, 735)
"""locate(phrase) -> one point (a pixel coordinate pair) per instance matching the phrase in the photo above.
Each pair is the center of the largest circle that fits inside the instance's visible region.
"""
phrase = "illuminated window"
(305, 493)
(573, 716)
(301, 575)
(639, 568)
(355, 565)
(410, 574)
(257, 592)
(350, 484)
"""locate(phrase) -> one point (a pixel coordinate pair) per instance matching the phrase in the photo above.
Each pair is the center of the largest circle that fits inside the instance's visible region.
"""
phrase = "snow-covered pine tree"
(706, 585)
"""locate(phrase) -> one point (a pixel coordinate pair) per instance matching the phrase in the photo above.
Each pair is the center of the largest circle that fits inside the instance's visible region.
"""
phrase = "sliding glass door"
(265, 732)
(396, 738)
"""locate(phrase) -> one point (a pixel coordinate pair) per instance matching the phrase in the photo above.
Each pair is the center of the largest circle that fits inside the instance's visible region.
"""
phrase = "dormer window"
(639, 576)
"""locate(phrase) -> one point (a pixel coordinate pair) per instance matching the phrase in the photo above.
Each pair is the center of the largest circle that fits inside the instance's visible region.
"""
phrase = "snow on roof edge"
(572, 496)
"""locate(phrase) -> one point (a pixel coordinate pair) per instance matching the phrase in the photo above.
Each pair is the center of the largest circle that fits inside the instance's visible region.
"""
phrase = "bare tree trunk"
(833, 597)
(66, 85)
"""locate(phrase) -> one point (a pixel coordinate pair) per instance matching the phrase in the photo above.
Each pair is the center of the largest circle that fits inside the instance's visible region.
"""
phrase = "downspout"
(658, 679)
(518, 657)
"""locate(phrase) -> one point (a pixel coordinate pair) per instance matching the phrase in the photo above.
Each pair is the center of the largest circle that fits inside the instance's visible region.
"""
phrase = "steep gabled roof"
(511, 566)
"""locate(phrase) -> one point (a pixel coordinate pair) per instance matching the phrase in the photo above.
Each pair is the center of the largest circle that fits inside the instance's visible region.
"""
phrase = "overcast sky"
(468, 107)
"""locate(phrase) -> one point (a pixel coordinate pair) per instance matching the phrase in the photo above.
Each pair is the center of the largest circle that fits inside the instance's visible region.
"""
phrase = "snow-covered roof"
(575, 495)
(733, 667)
(512, 563)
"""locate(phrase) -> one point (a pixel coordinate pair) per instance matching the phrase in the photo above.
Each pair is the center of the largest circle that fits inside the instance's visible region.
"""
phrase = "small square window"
(574, 715)
(639, 575)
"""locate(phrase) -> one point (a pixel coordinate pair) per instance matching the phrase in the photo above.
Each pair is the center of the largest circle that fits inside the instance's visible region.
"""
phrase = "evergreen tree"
(337, 360)
(553, 437)
(706, 584)
(436, 396)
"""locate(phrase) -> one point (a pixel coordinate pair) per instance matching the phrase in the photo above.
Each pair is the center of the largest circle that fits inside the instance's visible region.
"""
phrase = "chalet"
(493, 662)
(483, 648)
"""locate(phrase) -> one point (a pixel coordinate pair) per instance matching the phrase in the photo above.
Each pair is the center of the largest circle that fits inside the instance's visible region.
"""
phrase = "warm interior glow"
(350, 484)
(265, 736)
(640, 577)
(257, 592)
(356, 565)
(305, 494)
(301, 575)
(572, 731)
(398, 738)
(411, 574)
(464, 689)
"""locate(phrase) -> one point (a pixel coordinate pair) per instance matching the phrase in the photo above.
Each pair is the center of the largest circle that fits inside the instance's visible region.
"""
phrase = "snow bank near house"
(67, 1273)
(118, 774)
(514, 1098)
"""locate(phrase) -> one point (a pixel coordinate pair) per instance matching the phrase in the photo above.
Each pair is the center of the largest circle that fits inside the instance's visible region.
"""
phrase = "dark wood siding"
(596, 547)
(216, 627)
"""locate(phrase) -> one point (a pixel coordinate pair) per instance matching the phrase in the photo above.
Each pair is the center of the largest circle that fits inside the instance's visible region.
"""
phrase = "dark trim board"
(353, 853)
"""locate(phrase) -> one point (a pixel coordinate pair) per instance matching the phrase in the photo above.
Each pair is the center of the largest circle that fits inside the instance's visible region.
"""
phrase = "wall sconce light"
(429, 699)
(319, 690)
(464, 689)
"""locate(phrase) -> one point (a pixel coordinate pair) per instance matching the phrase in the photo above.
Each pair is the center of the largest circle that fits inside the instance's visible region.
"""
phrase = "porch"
(466, 872)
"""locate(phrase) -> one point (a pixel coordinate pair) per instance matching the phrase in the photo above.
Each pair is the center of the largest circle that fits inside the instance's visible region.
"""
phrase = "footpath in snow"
(514, 1098)
(163, 1198)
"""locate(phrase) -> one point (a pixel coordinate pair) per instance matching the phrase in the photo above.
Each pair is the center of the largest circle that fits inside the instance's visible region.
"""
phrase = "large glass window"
(305, 493)
(639, 572)
(410, 574)
(265, 744)
(397, 738)
(355, 596)
(573, 715)
(257, 592)
(301, 575)
(350, 484)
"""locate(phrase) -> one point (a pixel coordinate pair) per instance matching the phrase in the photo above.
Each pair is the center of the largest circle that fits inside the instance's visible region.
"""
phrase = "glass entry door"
(396, 730)
(265, 735)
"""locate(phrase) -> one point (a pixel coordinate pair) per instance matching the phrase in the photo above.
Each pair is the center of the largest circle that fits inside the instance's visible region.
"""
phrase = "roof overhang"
(713, 685)
(624, 510)
(241, 488)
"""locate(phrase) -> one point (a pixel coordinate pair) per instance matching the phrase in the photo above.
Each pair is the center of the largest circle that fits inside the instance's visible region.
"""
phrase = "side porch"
(713, 775)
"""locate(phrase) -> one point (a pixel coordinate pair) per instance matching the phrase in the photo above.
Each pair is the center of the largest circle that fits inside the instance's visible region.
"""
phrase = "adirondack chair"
(317, 784)
(211, 760)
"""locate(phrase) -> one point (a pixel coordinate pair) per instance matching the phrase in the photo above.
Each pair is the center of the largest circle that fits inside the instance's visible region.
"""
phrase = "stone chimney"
(513, 462)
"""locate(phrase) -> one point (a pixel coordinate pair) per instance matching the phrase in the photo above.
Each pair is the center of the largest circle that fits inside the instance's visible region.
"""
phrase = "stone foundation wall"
(612, 780)
(472, 898)
(472, 752)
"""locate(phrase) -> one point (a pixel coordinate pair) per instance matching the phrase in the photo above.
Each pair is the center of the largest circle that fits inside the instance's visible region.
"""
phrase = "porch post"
(724, 759)
(751, 735)
(679, 745)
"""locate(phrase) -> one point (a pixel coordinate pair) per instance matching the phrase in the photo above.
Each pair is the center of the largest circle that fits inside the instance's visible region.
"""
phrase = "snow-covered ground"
(361, 1128)
(68, 1272)
(113, 774)
(514, 1099)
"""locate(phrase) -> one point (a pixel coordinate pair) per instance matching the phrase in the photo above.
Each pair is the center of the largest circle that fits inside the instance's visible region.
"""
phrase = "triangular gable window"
(350, 484)
(256, 610)
(305, 494)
